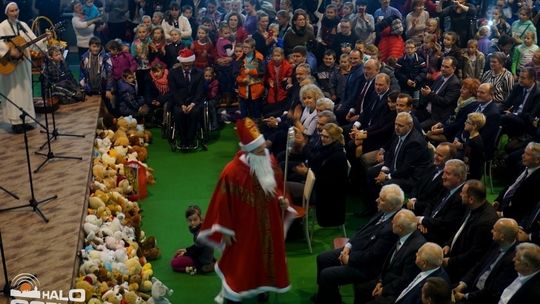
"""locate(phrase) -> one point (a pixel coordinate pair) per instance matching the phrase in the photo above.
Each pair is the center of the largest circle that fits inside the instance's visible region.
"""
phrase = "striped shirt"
(502, 84)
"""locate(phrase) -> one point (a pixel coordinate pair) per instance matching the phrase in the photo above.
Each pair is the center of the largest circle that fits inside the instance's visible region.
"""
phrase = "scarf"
(162, 84)
(94, 75)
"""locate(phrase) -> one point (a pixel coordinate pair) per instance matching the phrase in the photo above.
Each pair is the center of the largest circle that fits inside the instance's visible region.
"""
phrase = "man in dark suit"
(440, 100)
(362, 257)
(187, 86)
(485, 282)
(430, 187)
(519, 109)
(351, 92)
(524, 289)
(377, 103)
(399, 268)
(486, 105)
(366, 96)
(442, 218)
(473, 236)
(405, 157)
(429, 260)
(518, 199)
(529, 228)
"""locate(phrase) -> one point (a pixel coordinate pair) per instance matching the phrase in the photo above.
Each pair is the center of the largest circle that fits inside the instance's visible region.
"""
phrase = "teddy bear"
(159, 293)
(150, 249)
(130, 297)
(113, 295)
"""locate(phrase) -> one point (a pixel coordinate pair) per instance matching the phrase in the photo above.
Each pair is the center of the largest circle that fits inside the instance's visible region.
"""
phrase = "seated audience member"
(449, 129)
(436, 291)
(489, 108)
(159, 92)
(399, 267)
(473, 237)
(429, 259)
(57, 73)
(524, 289)
(529, 230)
(129, 103)
(363, 256)
(306, 121)
(499, 77)
(518, 199)
(430, 187)
(439, 100)
(411, 70)
(485, 282)
(472, 147)
(330, 167)
(187, 86)
(406, 156)
(443, 216)
(522, 106)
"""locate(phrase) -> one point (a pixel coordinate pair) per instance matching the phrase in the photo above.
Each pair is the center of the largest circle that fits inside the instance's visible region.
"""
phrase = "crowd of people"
(389, 99)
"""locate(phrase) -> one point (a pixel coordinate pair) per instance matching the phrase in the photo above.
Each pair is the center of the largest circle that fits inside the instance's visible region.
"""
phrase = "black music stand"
(33, 202)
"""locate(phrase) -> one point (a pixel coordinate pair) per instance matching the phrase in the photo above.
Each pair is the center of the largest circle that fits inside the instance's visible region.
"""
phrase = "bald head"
(404, 222)
(429, 256)
(505, 231)
(484, 93)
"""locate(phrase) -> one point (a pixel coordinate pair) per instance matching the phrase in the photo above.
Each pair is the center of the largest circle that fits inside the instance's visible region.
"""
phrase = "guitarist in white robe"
(17, 85)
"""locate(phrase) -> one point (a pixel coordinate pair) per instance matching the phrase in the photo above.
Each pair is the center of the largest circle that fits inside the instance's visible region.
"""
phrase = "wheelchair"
(169, 131)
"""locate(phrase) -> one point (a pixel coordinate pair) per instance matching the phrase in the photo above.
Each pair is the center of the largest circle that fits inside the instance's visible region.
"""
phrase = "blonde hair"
(313, 89)
(477, 119)
(335, 132)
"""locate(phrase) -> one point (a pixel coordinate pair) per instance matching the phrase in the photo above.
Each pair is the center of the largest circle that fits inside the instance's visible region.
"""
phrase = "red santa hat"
(186, 55)
(250, 137)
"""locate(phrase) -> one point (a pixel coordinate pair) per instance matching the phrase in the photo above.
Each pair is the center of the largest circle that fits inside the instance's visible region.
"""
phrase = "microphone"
(290, 139)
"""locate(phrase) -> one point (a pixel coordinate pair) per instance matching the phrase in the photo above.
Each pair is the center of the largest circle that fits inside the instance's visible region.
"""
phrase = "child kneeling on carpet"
(198, 257)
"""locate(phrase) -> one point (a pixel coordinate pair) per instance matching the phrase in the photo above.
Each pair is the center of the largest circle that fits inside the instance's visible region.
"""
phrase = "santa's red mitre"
(250, 137)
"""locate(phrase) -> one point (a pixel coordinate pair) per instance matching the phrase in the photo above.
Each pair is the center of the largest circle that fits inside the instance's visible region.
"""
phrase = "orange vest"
(250, 80)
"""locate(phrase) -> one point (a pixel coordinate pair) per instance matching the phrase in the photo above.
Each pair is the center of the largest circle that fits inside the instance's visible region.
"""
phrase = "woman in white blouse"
(175, 20)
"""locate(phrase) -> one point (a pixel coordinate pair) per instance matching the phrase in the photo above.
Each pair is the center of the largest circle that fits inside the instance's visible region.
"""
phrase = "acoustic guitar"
(8, 63)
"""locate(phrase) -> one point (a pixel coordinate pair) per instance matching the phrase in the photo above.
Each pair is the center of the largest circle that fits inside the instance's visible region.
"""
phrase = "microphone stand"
(50, 154)
(6, 290)
(33, 202)
(9, 192)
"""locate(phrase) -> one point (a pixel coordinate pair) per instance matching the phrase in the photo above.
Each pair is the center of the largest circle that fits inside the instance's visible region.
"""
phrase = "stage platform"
(47, 250)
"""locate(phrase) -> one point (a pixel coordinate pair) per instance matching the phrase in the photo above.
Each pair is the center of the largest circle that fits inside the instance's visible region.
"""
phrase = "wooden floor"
(48, 250)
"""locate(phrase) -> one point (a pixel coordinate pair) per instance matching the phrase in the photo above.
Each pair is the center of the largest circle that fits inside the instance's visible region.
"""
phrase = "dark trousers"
(363, 294)
(331, 274)
(250, 107)
(186, 124)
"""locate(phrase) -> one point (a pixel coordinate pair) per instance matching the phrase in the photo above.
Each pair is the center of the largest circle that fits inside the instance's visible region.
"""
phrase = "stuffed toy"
(149, 248)
(130, 297)
(112, 296)
(159, 293)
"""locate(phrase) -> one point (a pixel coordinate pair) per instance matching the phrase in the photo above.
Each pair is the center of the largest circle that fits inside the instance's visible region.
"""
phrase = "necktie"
(415, 282)
(512, 190)
(363, 95)
(509, 291)
(396, 152)
(488, 268)
(456, 236)
(381, 219)
(187, 76)
(529, 221)
(441, 204)
(524, 100)
(436, 174)
(398, 246)
(441, 84)
(480, 109)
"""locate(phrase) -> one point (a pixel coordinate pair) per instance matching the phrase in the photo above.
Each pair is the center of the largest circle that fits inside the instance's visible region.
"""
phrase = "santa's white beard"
(261, 165)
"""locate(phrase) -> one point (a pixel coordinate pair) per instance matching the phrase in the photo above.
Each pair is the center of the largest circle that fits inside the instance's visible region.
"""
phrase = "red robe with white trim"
(255, 263)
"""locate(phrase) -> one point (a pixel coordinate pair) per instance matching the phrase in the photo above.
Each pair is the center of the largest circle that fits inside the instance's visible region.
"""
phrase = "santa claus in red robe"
(245, 220)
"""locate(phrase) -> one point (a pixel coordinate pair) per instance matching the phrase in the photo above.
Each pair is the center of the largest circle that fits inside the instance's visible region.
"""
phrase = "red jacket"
(278, 93)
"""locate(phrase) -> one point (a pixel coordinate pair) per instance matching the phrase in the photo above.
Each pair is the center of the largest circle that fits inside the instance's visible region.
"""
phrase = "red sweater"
(278, 93)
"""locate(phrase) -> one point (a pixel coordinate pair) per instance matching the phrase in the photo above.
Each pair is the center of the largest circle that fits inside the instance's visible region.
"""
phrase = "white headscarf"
(8, 5)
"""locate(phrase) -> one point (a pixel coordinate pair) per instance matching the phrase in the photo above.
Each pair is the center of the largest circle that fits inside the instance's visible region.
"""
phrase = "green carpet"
(190, 178)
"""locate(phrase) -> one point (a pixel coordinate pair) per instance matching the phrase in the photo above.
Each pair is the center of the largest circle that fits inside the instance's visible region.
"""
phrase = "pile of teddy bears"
(114, 267)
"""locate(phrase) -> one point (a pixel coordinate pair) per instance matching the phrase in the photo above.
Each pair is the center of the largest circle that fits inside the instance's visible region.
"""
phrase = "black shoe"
(17, 129)
(28, 127)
